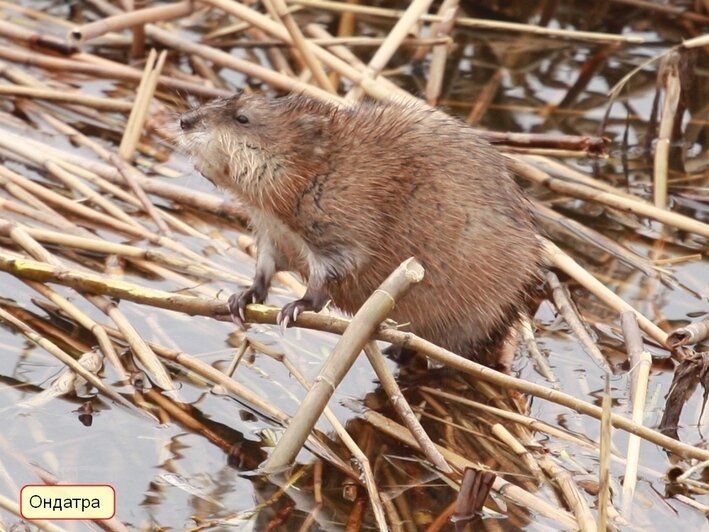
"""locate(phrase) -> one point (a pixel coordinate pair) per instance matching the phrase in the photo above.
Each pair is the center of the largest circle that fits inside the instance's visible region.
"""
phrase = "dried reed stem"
(669, 72)
(567, 310)
(139, 112)
(359, 331)
(92, 283)
(402, 407)
(640, 365)
(130, 19)
(75, 98)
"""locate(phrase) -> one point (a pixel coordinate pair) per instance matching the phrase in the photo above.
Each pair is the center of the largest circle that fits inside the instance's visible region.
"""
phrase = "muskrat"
(344, 194)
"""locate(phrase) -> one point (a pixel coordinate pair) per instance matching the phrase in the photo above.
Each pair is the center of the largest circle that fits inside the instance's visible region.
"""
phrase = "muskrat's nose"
(188, 120)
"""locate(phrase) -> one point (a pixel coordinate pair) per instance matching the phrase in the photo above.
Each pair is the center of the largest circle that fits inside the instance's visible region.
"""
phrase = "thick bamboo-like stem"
(358, 333)
(369, 482)
(640, 365)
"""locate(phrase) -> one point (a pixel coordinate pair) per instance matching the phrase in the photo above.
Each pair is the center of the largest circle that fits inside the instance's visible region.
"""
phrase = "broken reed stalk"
(363, 324)
(604, 464)
(191, 305)
(669, 72)
(564, 262)
(391, 44)
(640, 365)
(402, 407)
(130, 19)
(567, 310)
(144, 94)
(375, 498)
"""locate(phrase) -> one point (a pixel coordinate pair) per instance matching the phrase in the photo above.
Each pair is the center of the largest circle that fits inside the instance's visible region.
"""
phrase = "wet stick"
(640, 365)
(567, 310)
(402, 407)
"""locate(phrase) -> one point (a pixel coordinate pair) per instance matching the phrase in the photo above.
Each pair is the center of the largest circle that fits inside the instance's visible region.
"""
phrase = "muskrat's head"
(249, 144)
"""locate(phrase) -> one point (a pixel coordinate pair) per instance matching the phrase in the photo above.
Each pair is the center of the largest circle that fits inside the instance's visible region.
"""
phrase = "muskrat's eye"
(242, 119)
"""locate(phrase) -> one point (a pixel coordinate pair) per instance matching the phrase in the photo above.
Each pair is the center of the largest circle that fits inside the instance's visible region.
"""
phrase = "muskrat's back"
(346, 195)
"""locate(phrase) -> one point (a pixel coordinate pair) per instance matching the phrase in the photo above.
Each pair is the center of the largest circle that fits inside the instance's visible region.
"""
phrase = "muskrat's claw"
(237, 302)
(289, 313)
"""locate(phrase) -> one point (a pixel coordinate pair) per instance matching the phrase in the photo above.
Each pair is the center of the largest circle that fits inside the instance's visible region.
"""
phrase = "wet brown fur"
(357, 190)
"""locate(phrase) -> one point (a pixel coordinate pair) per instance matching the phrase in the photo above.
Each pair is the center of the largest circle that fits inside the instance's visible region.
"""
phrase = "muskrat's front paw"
(237, 302)
(289, 313)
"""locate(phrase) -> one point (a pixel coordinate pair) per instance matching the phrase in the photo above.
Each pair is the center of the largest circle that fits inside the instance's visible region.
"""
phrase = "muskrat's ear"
(310, 125)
